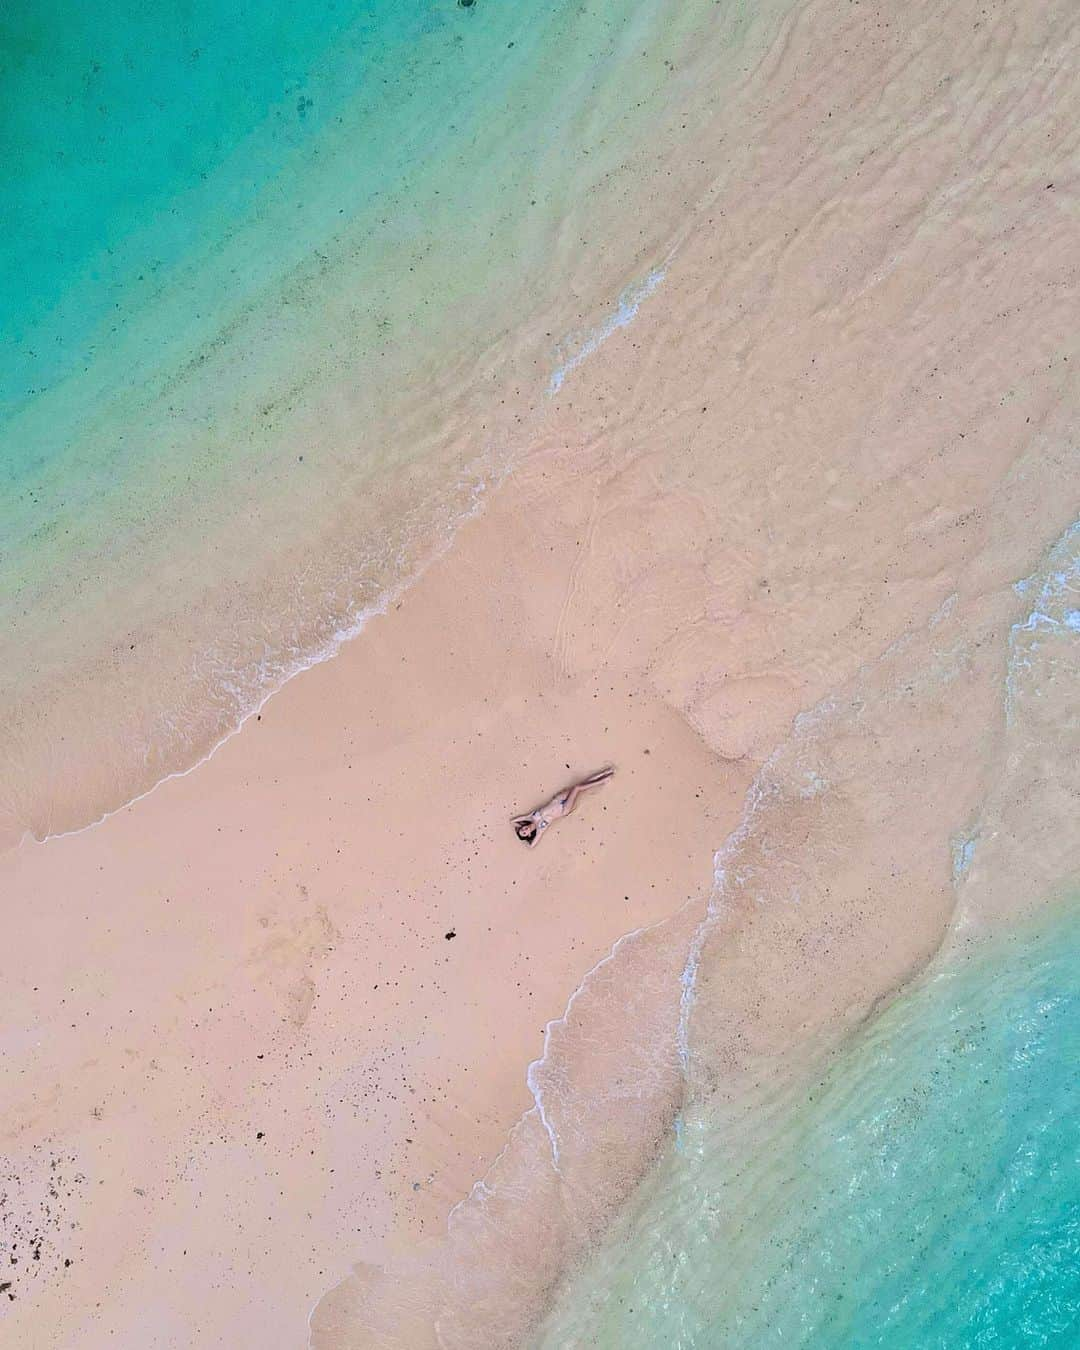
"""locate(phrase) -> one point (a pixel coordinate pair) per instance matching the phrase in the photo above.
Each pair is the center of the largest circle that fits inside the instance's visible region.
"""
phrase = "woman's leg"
(593, 780)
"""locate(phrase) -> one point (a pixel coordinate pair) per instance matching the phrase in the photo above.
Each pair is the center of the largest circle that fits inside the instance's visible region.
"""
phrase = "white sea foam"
(532, 1074)
(687, 986)
(328, 649)
(1051, 613)
(625, 313)
(272, 676)
(963, 854)
(269, 684)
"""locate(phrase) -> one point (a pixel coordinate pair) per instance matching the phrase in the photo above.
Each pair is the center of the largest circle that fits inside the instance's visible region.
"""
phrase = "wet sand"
(244, 1022)
(806, 476)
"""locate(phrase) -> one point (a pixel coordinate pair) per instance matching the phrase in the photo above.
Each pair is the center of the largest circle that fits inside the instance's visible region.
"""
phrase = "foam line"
(326, 651)
(1051, 611)
(625, 313)
(530, 1076)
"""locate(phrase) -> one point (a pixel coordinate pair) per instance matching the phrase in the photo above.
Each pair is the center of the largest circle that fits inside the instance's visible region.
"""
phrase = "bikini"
(542, 821)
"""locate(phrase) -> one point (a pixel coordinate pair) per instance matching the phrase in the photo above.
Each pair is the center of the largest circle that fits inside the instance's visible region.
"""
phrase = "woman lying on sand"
(529, 828)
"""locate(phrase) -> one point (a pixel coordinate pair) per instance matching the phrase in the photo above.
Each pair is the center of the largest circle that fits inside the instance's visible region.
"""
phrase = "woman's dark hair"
(525, 829)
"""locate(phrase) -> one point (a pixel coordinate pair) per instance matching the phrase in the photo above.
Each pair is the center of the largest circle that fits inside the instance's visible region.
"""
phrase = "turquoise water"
(925, 1192)
(116, 122)
(278, 286)
(162, 167)
(174, 181)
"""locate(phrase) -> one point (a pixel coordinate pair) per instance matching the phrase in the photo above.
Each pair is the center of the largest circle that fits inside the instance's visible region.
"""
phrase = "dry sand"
(242, 1023)
(241, 1051)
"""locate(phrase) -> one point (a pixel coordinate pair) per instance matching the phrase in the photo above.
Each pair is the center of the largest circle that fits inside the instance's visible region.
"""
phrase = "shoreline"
(278, 1015)
(265, 528)
(824, 1134)
(621, 316)
(166, 841)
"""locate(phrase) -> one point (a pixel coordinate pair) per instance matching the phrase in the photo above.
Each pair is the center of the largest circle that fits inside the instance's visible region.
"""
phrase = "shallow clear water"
(278, 287)
(849, 1165)
(923, 1191)
(117, 124)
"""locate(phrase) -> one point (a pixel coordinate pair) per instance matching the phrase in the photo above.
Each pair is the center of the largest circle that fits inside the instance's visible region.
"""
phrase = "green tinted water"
(924, 1192)
(266, 275)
